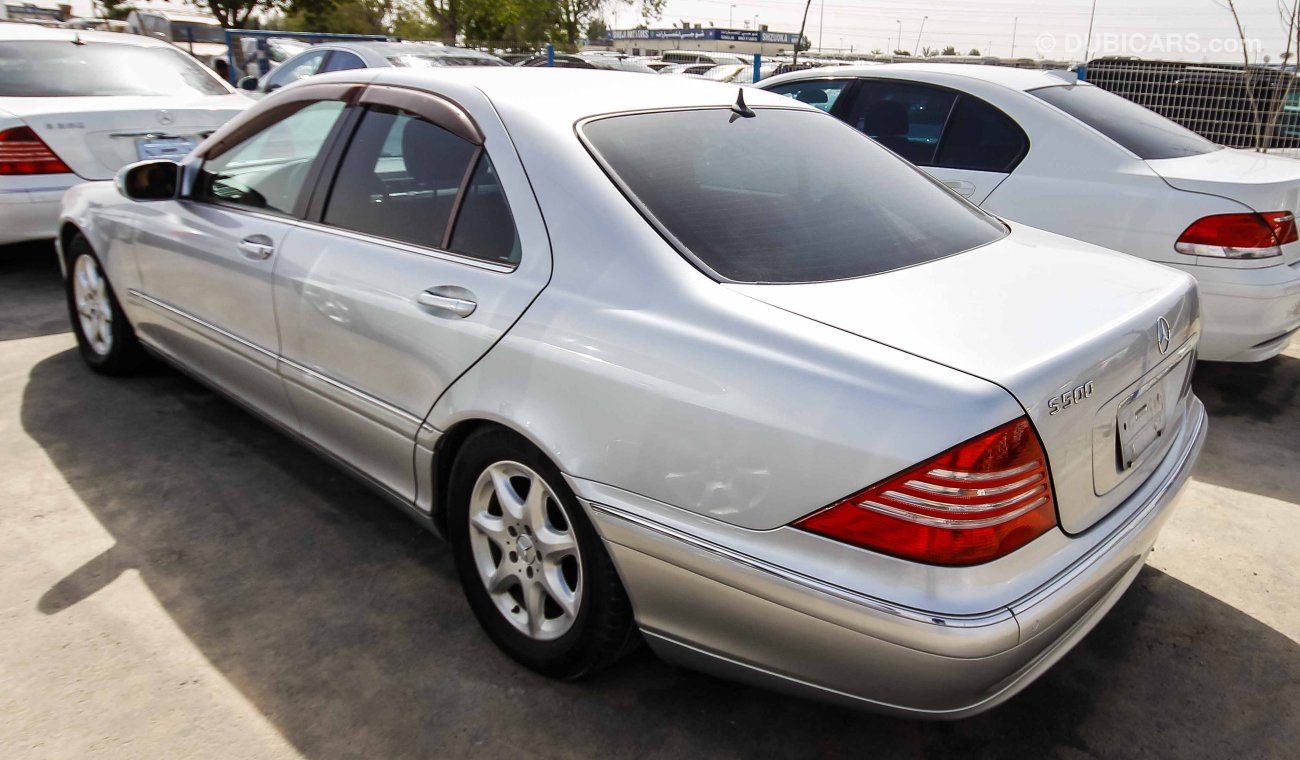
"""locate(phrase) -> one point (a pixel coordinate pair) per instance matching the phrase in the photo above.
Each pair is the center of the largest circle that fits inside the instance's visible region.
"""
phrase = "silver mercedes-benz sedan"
(662, 364)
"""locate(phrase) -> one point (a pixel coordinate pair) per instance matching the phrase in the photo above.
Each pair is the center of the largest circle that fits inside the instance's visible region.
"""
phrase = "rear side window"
(399, 178)
(789, 195)
(1145, 133)
(906, 118)
(484, 227)
(342, 60)
(979, 137)
(818, 93)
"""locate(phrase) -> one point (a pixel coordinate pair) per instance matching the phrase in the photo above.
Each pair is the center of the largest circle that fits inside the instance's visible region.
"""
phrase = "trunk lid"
(1069, 329)
(96, 136)
(1256, 180)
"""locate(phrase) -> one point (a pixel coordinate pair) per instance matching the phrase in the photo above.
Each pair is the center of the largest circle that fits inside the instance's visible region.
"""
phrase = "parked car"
(688, 69)
(589, 61)
(97, 24)
(343, 56)
(1038, 148)
(862, 441)
(198, 34)
(76, 112)
(739, 74)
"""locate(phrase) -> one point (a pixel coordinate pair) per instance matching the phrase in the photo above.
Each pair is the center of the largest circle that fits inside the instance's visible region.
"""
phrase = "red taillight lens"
(973, 503)
(1239, 236)
(22, 152)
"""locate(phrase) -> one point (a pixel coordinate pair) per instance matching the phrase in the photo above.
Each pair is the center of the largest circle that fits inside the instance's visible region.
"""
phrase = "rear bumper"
(30, 210)
(711, 608)
(1247, 315)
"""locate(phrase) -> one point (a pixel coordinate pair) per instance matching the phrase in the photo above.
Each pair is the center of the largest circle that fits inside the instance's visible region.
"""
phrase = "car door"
(206, 260)
(303, 65)
(957, 138)
(427, 247)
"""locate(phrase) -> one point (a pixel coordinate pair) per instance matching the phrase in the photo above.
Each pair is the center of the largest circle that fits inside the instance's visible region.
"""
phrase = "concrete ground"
(178, 580)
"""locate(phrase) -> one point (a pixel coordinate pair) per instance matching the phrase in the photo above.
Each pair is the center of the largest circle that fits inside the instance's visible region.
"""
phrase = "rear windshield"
(55, 69)
(785, 196)
(1145, 133)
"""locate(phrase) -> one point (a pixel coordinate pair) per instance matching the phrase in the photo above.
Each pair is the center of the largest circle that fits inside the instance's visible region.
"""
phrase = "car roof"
(22, 32)
(185, 16)
(1006, 76)
(565, 96)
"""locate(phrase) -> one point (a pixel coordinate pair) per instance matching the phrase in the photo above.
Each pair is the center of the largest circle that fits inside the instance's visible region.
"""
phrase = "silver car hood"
(1039, 315)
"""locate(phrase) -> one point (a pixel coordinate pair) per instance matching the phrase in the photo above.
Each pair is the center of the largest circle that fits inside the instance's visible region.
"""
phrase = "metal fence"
(1255, 107)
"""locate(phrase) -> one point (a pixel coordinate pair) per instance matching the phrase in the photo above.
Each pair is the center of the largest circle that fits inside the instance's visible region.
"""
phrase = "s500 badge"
(1069, 398)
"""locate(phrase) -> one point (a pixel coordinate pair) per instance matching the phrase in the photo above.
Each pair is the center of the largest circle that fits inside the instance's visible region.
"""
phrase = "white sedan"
(1037, 147)
(78, 105)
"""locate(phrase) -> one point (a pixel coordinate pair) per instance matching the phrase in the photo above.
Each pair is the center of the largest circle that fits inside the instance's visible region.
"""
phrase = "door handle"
(448, 298)
(257, 247)
(961, 187)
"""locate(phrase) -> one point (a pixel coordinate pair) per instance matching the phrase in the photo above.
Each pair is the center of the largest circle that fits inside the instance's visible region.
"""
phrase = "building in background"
(35, 13)
(711, 40)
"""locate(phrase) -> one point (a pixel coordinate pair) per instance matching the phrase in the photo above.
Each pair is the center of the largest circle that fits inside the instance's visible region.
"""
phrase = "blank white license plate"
(164, 147)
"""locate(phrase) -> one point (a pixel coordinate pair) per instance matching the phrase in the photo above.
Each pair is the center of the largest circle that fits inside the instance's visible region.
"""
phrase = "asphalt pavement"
(178, 580)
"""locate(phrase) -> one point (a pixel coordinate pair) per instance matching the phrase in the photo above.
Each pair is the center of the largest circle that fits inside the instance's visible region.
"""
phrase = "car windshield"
(1145, 133)
(785, 196)
(53, 69)
(184, 31)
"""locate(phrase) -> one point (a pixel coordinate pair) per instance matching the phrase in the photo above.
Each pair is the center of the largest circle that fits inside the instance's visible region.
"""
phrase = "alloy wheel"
(94, 309)
(525, 550)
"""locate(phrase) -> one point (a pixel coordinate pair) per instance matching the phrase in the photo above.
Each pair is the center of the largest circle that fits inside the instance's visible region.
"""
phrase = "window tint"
(786, 196)
(906, 118)
(49, 69)
(399, 178)
(979, 137)
(296, 68)
(1145, 133)
(269, 170)
(484, 227)
(342, 60)
(819, 93)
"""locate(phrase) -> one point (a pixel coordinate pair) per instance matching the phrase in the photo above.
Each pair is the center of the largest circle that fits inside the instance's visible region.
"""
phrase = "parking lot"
(179, 580)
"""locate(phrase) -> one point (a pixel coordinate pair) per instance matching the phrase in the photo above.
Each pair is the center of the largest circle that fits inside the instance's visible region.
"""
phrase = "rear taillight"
(973, 503)
(1239, 236)
(22, 152)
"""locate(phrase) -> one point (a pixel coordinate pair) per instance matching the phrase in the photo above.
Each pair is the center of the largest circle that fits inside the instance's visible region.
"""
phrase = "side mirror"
(157, 180)
(248, 83)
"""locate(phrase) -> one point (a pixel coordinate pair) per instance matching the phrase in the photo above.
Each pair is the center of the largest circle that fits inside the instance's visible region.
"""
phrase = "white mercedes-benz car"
(78, 105)
(1037, 147)
(656, 359)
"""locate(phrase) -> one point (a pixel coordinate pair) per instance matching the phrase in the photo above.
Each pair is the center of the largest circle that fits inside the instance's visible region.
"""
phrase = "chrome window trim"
(433, 253)
(354, 392)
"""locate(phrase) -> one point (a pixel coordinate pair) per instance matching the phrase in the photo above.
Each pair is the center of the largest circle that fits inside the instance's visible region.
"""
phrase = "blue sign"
(728, 35)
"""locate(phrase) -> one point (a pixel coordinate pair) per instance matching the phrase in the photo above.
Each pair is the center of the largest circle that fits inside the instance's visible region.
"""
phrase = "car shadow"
(343, 623)
(1254, 426)
(31, 290)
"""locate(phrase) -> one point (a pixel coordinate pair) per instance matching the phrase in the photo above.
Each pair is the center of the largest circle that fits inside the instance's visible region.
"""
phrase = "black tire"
(603, 628)
(122, 354)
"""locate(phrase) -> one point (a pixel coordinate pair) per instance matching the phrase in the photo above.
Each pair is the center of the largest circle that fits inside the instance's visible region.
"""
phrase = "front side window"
(1145, 133)
(268, 171)
(906, 118)
(399, 178)
(53, 69)
(788, 195)
(818, 93)
(293, 70)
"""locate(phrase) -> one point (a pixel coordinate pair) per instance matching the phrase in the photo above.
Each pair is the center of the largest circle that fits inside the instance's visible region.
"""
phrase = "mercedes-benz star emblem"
(165, 118)
(1162, 335)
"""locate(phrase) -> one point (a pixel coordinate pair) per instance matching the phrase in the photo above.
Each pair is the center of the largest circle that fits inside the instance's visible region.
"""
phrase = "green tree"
(804, 44)
(237, 14)
(597, 29)
(974, 51)
(114, 9)
(950, 50)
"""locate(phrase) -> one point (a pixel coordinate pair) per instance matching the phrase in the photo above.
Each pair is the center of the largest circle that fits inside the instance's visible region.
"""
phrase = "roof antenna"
(739, 108)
